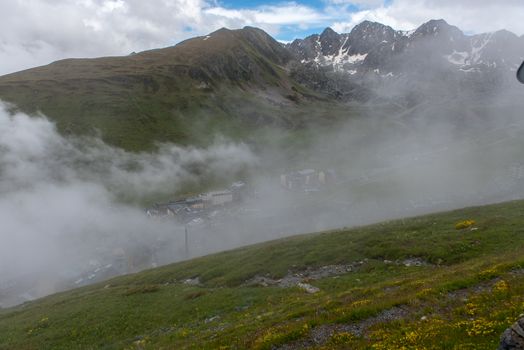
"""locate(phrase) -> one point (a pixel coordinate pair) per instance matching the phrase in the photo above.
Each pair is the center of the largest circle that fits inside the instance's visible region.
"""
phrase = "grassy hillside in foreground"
(462, 288)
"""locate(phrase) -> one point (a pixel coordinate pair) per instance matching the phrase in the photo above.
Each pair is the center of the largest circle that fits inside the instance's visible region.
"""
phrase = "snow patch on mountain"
(458, 58)
(374, 47)
(477, 46)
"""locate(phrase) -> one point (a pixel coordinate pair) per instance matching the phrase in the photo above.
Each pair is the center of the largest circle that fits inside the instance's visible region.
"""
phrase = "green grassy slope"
(468, 289)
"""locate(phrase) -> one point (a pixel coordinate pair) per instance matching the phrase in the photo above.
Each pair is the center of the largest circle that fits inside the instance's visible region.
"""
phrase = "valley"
(345, 190)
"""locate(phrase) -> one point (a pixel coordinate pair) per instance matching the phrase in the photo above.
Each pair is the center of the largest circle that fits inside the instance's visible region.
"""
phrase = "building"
(217, 198)
(193, 207)
(309, 180)
(239, 190)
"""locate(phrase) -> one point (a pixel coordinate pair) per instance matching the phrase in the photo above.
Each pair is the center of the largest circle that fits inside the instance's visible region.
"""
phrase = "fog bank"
(73, 209)
(66, 204)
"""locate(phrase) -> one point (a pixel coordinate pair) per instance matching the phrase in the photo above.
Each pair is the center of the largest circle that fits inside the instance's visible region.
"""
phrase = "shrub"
(464, 224)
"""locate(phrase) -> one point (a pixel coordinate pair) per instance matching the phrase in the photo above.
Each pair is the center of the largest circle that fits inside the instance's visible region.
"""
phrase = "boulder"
(513, 337)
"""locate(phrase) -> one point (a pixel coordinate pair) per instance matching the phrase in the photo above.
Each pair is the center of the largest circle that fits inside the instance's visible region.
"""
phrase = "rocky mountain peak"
(435, 24)
(330, 41)
(368, 26)
(375, 48)
(374, 29)
(329, 34)
(306, 49)
(438, 28)
(368, 35)
(222, 30)
(504, 35)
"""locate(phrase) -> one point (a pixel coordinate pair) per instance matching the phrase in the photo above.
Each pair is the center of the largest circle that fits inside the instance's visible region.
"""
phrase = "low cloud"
(64, 202)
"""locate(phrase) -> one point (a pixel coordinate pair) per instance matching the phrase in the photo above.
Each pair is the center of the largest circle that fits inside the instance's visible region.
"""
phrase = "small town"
(193, 210)
(198, 216)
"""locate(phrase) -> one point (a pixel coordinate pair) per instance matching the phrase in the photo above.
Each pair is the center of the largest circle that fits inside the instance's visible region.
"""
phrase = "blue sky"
(257, 3)
(292, 31)
(318, 4)
(289, 33)
(472, 16)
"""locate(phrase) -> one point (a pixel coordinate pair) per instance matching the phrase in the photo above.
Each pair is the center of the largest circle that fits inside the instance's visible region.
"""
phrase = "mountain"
(422, 120)
(435, 62)
(374, 47)
(163, 95)
(235, 56)
(239, 83)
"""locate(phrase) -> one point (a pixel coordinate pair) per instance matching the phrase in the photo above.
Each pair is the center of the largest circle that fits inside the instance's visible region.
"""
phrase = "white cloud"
(359, 3)
(58, 196)
(472, 16)
(285, 14)
(36, 32)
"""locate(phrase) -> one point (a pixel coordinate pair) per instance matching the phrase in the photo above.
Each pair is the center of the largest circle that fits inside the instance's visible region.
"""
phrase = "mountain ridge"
(137, 100)
(235, 81)
(382, 42)
(448, 278)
